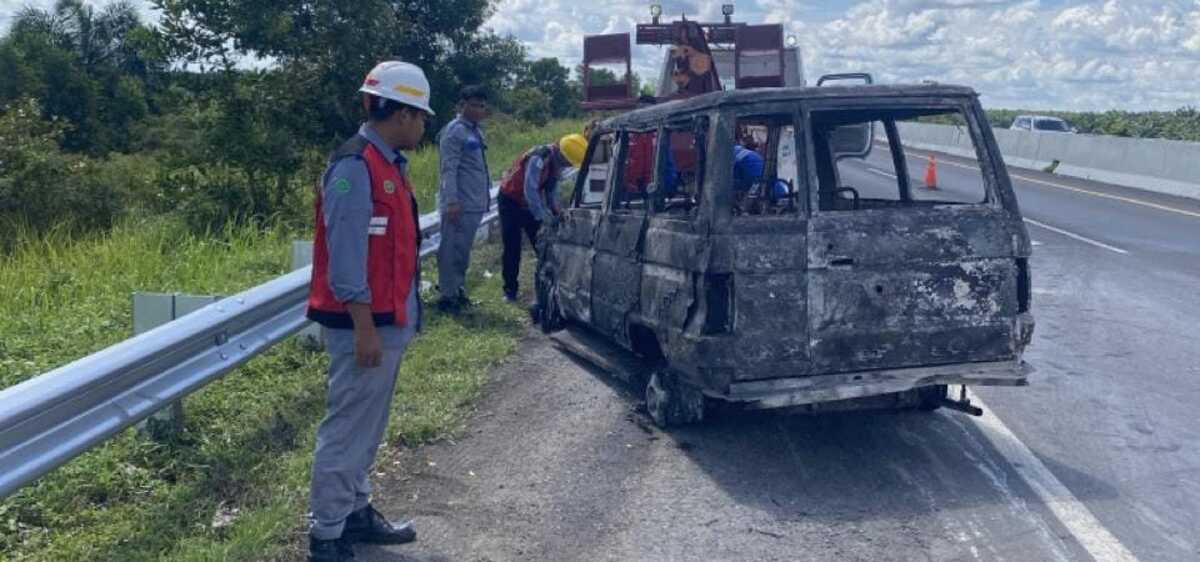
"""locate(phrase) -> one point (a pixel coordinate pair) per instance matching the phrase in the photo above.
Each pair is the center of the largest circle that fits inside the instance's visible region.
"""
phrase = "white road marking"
(881, 172)
(1075, 189)
(1098, 541)
(1077, 237)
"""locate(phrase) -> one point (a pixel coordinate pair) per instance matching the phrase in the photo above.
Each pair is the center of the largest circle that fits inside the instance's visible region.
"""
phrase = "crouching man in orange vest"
(364, 293)
(529, 197)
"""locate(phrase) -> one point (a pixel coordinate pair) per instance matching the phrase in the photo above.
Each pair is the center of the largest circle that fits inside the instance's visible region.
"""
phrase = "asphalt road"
(1098, 459)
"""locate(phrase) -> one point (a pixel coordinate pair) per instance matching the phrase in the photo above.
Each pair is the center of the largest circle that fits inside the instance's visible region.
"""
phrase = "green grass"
(247, 438)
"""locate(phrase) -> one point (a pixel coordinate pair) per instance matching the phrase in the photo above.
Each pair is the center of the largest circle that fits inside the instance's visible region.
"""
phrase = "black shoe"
(336, 550)
(510, 296)
(464, 302)
(449, 306)
(368, 525)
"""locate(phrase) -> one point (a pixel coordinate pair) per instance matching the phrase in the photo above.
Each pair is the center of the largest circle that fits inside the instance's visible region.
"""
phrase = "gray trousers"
(454, 253)
(357, 409)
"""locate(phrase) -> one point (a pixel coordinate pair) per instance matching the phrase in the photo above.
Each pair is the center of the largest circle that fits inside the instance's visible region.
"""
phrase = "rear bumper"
(796, 391)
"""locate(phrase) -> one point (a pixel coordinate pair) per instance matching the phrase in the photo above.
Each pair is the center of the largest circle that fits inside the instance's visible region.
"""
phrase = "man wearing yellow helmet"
(529, 198)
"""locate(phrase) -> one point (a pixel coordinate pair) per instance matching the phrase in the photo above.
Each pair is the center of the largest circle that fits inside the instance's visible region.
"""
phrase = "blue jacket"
(748, 167)
(463, 175)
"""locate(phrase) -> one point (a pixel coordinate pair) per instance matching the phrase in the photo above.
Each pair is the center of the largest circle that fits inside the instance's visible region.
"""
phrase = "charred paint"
(858, 302)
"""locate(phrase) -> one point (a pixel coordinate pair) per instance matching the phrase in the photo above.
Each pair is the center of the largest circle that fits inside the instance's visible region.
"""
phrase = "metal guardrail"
(50, 419)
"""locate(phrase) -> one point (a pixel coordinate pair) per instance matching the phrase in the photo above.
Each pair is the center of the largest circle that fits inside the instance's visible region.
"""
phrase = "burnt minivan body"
(744, 244)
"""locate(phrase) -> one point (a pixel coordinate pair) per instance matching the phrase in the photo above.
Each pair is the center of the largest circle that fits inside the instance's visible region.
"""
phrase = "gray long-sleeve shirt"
(347, 206)
(463, 175)
(533, 196)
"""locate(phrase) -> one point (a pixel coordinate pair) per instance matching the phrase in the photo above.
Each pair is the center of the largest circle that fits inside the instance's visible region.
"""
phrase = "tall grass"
(61, 299)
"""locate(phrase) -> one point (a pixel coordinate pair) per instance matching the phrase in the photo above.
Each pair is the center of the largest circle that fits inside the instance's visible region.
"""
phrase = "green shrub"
(42, 187)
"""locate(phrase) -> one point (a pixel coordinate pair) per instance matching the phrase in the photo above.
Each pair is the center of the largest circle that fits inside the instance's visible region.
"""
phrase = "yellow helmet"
(574, 148)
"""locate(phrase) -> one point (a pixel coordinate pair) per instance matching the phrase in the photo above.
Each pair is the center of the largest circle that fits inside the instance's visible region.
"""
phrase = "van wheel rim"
(658, 400)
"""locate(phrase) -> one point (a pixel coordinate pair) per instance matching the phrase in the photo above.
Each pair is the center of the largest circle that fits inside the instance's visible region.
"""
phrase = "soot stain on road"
(535, 481)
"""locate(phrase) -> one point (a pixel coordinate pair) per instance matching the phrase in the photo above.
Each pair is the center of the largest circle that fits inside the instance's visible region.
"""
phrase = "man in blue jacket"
(464, 194)
(748, 168)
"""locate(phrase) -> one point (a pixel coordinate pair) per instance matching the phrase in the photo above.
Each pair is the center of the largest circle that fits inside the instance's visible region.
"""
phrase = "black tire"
(673, 402)
(930, 397)
(548, 315)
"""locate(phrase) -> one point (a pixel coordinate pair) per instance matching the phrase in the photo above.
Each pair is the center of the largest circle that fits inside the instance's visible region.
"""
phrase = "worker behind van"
(748, 168)
(529, 198)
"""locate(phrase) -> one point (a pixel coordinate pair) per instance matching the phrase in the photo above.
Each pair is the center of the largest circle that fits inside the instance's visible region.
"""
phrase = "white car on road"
(1042, 123)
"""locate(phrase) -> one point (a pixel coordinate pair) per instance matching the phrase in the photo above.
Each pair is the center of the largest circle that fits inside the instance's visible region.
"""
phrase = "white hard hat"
(399, 81)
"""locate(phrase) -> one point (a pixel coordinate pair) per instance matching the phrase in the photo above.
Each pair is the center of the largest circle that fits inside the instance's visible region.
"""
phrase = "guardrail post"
(302, 256)
(151, 310)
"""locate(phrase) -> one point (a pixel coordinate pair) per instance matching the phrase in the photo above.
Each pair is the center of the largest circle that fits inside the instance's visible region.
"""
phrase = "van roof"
(712, 100)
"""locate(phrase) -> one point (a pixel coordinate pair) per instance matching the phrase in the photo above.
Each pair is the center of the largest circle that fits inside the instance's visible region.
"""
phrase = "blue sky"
(1060, 54)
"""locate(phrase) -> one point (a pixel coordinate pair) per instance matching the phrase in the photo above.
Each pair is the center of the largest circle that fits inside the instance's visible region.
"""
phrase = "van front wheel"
(672, 402)
(547, 315)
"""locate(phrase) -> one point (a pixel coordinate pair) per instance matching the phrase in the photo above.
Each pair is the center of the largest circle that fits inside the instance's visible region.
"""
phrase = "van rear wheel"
(673, 402)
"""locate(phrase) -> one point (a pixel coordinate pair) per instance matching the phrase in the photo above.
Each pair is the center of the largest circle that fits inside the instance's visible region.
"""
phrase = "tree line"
(223, 111)
(1180, 124)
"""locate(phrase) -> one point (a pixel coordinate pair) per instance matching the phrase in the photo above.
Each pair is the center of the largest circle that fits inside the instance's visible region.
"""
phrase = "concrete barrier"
(1161, 166)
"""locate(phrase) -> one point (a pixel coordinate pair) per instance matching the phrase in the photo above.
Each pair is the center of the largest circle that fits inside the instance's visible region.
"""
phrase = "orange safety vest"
(512, 184)
(392, 246)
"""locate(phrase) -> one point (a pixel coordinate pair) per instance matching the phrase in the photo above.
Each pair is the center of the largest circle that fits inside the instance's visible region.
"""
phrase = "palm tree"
(96, 37)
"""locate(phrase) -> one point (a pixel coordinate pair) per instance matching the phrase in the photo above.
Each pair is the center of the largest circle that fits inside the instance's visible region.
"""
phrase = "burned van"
(782, 248)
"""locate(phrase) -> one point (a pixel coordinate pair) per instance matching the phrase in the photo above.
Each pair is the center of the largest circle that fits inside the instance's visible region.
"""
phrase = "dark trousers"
(513, 221)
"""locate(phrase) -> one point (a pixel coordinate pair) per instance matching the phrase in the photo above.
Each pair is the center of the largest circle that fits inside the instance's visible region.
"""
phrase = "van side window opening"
(595, 180)
(764, 174)
(637, 172)
(930, 180)
(681, 169)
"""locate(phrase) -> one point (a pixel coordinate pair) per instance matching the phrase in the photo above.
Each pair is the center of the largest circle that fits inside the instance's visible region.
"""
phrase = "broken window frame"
(582, 181)
(617, 204)
(780, 121)
(726, 134)
(700, 126)
(968, 111)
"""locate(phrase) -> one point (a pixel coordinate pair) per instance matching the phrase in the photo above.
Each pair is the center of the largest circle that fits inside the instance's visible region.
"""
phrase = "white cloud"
(1030, 53)
(1067, 54)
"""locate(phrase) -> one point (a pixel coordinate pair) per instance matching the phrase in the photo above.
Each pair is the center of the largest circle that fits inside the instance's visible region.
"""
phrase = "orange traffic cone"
(931, 173)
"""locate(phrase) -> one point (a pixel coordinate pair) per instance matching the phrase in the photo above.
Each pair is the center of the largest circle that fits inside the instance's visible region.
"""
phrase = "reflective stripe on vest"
(392, 251)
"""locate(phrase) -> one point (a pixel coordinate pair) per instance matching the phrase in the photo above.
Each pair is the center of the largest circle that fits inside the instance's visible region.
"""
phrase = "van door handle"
(841, 262)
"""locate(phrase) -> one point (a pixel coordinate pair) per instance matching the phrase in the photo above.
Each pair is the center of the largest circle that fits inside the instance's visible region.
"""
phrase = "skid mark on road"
(1098, 541)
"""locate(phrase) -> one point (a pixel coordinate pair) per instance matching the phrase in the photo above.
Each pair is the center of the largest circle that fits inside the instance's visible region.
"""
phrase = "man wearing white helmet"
(364, 293)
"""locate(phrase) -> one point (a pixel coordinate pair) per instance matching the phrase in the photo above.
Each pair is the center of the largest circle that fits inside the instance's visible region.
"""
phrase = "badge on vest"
(378, 225)
(389, 187)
